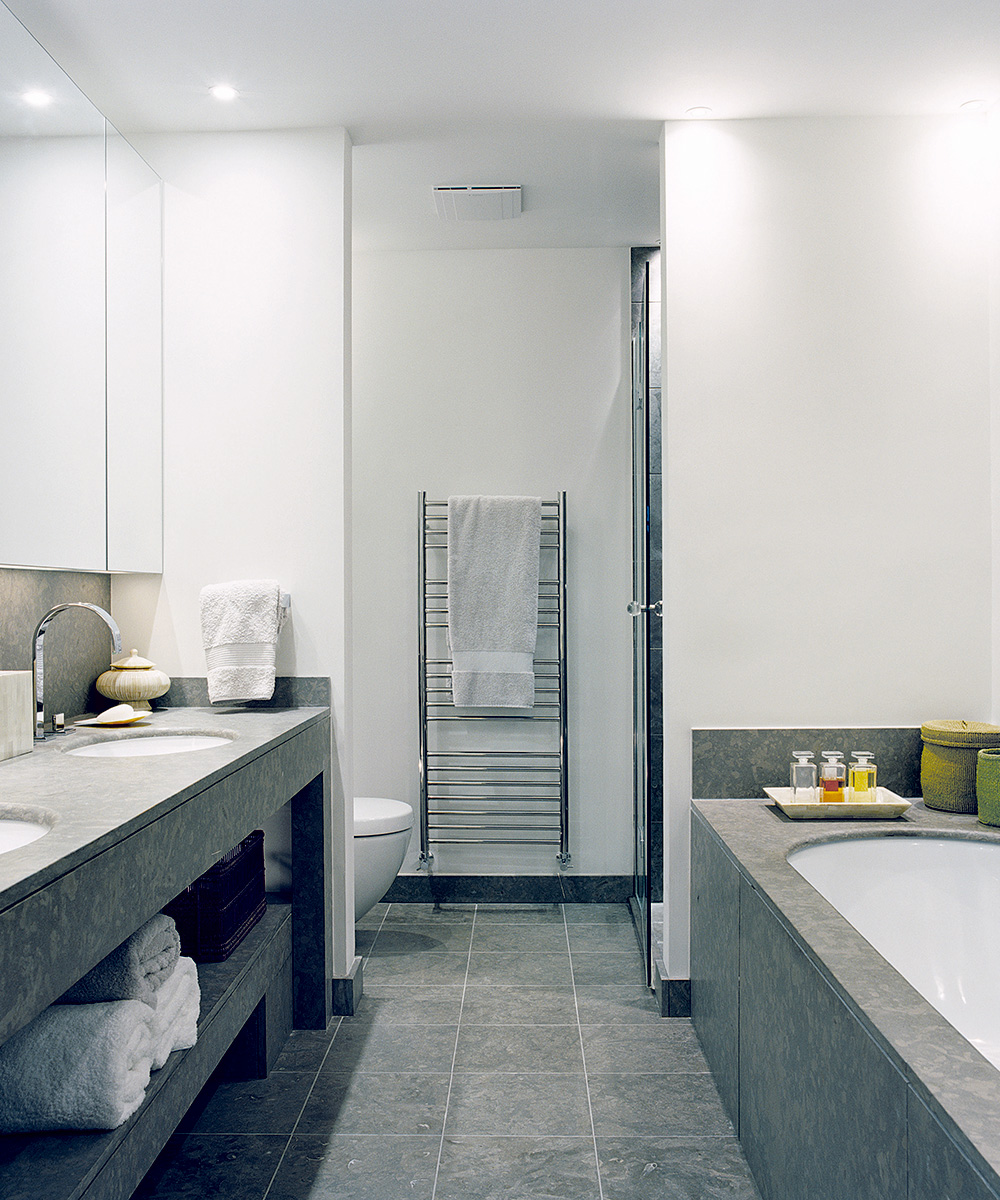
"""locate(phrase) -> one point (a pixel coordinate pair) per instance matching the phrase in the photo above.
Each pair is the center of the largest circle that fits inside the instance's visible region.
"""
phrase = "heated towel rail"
(492, 775)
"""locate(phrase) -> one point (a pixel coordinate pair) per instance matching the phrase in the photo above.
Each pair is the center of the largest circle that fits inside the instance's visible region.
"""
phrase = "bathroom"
(830, 317)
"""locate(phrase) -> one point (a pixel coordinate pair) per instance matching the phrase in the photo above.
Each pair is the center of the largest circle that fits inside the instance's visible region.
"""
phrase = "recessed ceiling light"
(972, 106)
(223, 91)
(699, 110)
(37, 98)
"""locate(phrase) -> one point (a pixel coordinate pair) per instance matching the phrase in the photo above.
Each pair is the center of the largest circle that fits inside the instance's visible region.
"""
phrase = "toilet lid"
(375, 814)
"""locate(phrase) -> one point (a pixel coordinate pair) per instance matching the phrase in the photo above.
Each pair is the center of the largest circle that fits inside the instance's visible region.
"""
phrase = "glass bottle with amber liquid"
(861, 778)
(832, 777)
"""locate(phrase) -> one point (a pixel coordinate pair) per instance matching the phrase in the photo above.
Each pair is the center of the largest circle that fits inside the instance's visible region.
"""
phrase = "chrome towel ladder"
(492, 775)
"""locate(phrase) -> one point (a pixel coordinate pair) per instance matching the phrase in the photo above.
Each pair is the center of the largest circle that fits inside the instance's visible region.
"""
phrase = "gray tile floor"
(501, 1052)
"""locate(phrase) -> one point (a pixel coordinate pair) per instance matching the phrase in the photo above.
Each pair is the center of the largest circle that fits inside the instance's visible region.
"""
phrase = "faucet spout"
(38, 655)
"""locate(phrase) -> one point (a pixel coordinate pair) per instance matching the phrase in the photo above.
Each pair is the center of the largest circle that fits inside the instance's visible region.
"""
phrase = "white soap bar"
(15, 713)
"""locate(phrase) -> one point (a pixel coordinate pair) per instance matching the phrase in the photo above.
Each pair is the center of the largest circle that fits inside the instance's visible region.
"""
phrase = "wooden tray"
(887, 805)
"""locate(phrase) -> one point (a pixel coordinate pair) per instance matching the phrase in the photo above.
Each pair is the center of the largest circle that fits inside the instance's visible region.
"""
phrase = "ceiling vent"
(478, 203)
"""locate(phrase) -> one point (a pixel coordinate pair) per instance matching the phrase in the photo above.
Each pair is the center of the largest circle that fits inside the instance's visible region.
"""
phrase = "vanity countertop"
(95, 803)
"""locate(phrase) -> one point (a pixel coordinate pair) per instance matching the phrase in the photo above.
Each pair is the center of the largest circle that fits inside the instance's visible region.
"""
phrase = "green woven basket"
(988, 786)
(948, 762)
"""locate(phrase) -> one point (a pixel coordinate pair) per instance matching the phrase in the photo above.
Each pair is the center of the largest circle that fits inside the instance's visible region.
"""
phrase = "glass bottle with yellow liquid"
(832, 777)
(861, 779)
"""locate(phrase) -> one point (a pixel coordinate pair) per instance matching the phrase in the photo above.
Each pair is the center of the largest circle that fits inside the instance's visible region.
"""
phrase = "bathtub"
(833, 991)
(931, 907)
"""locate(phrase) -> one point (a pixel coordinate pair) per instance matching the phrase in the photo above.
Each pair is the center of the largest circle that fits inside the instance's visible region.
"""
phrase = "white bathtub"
(931, 907)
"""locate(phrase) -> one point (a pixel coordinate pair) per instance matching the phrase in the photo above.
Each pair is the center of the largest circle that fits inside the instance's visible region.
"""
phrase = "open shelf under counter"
(109, 1166)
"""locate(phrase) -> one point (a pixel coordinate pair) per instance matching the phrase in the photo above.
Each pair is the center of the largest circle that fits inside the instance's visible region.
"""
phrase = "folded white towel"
(82, 1066)
(133, 971)
(240, 623)
(493, 544)
(175, 1018)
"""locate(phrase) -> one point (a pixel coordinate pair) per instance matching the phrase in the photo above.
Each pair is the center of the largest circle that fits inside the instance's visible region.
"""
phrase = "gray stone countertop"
(946, 1071)
(93, 803)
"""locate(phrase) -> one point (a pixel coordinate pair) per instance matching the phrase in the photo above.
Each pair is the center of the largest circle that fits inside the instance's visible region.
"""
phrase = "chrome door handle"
(635, 609)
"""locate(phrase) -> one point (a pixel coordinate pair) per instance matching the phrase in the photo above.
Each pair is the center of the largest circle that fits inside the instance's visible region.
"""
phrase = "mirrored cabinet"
(80, 327)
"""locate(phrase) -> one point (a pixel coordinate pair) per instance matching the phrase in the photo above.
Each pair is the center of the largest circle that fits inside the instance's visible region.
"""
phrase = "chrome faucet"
(38, 661)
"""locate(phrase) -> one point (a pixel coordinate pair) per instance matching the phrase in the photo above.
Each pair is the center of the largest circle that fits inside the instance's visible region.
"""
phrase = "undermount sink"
(17, 830)
(156, 743)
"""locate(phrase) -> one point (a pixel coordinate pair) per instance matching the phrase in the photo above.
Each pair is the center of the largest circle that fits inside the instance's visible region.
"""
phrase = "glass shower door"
(639, 611)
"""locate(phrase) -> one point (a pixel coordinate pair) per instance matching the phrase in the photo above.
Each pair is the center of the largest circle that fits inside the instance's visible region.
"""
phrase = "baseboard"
(673, 995)
(346, 992)
(428, 888)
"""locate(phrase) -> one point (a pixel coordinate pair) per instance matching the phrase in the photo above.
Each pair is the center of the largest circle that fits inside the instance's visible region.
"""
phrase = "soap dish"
(121, 714)
(887, 805)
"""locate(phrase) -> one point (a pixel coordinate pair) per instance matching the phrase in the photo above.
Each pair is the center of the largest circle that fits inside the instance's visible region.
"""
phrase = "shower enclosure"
(646, 609)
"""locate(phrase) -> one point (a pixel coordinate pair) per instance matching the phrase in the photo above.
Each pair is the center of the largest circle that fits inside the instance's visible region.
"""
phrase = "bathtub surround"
(77, 648)
(734, 763)
(841, 1080)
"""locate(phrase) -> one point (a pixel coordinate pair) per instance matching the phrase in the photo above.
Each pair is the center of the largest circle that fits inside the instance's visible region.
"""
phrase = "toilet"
(381, 835)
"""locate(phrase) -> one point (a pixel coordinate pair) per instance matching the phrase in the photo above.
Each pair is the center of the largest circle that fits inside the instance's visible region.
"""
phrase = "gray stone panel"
(937, 1168)
(78, 643)
(822, 1110)
(732, 764)
(715, 960)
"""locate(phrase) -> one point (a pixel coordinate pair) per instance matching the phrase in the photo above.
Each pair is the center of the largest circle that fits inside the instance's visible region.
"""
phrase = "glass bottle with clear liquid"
(832, 777)
(861, 779)
(803, 777)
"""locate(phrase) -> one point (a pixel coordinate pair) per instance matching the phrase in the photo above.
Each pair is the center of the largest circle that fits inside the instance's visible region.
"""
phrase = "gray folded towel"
(493, 544)
(135, 970)
(83, 1066)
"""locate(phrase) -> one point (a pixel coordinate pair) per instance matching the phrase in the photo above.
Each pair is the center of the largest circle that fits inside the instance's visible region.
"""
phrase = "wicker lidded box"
(133, 680)
(948, 762)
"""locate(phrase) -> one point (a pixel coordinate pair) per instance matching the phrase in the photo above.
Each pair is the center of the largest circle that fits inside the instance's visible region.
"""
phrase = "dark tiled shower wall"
(730, 764)
(77, 644)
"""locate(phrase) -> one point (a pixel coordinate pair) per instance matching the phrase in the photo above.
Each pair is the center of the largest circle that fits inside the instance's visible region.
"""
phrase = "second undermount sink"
(154, 743)
(18, 829)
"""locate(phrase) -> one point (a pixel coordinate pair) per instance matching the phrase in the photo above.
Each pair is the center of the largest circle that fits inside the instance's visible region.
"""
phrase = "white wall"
(496, 372)
(257, 412)
(827, 434)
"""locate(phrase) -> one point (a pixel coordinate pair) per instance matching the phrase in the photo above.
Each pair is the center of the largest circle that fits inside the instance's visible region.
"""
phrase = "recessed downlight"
(699, 110)
(224, 92)
(36, 98)
(972, 106)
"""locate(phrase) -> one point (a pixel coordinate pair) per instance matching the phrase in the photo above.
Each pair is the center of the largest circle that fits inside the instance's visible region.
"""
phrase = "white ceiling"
(562, 96)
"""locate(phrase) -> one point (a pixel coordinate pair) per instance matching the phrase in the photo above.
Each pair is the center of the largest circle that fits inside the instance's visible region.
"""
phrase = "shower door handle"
(636, 609)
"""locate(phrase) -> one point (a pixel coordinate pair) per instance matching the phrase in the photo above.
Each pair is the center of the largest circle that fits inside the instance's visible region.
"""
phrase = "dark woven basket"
(220, 908)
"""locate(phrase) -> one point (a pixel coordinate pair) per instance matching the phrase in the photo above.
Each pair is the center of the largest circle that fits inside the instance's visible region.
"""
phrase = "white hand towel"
(175, 1018)
(240, 623)
(493, 544)
(80, 1066)
(133, 971)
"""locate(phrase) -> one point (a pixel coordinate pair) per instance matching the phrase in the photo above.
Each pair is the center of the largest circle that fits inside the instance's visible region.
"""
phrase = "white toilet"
(381, 835)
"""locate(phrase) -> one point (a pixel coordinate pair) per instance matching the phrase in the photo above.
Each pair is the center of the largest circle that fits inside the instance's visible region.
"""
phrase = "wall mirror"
(80, 328)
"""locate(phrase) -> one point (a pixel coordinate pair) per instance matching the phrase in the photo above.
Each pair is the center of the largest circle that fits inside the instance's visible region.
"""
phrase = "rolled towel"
(240, 623)
(175, 1018)
(83, 1066)
(136, 970)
